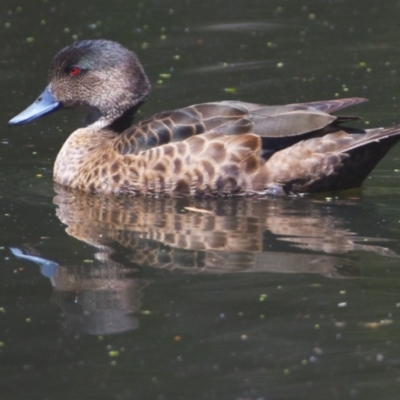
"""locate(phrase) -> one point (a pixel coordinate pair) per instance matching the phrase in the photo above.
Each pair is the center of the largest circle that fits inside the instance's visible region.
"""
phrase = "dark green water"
(145, 299)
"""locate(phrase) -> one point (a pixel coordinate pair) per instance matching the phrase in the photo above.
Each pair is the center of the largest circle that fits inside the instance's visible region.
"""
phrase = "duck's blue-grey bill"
(44, 104)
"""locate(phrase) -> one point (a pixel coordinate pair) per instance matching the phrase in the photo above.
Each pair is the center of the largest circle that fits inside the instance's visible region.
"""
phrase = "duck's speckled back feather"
(279, 126)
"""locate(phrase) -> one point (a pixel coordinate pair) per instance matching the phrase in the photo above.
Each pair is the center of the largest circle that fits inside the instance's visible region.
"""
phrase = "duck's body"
(220, 148)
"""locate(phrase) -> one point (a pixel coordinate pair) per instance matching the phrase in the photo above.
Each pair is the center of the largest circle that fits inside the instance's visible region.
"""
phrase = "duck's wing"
(279, 126)
(331, 106)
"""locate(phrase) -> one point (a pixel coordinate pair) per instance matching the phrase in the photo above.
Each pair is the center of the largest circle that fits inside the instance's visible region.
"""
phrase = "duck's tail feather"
(336, 161)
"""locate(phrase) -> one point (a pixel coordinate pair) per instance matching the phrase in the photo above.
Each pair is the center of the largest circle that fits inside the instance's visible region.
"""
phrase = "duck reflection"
(214, 235)
(104, 296)
(100, 298)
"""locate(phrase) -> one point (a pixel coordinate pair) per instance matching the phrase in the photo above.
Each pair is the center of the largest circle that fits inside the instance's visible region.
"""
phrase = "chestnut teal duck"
(213, 149)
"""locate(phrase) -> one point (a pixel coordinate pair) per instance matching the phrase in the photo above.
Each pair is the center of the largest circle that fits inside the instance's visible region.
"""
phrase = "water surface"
(113, 298)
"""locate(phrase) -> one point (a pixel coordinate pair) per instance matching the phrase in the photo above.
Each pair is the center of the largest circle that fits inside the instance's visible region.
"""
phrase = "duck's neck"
(111, 121)
(95, 120)
(125, 120)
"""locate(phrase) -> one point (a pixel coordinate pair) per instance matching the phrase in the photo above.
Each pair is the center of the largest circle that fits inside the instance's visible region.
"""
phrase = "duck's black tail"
(366, 152)
(336, 161)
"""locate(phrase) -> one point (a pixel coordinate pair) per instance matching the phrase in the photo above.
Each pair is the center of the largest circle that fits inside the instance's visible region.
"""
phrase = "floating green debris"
(176, 57)
(263, 297)
(145, 45)
(7, 25)
(30, 39)
(318, 350)
(88, 261)
(362, 64)
(279, 65)
(113, 353)
(67, 30)
(164, 75)
(163, 37)
(43, 22)
(230, 90)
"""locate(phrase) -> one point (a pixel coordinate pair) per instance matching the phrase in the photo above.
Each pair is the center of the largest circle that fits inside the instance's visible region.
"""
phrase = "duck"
(225, 148)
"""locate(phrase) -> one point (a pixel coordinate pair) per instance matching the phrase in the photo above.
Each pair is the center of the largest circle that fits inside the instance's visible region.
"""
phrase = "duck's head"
(99, 76)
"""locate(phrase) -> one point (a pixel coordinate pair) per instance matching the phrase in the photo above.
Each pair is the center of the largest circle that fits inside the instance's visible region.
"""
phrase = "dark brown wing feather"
(279, 126)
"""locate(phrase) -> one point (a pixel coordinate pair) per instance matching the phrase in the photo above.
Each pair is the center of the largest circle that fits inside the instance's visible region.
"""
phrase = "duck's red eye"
(75, 71)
